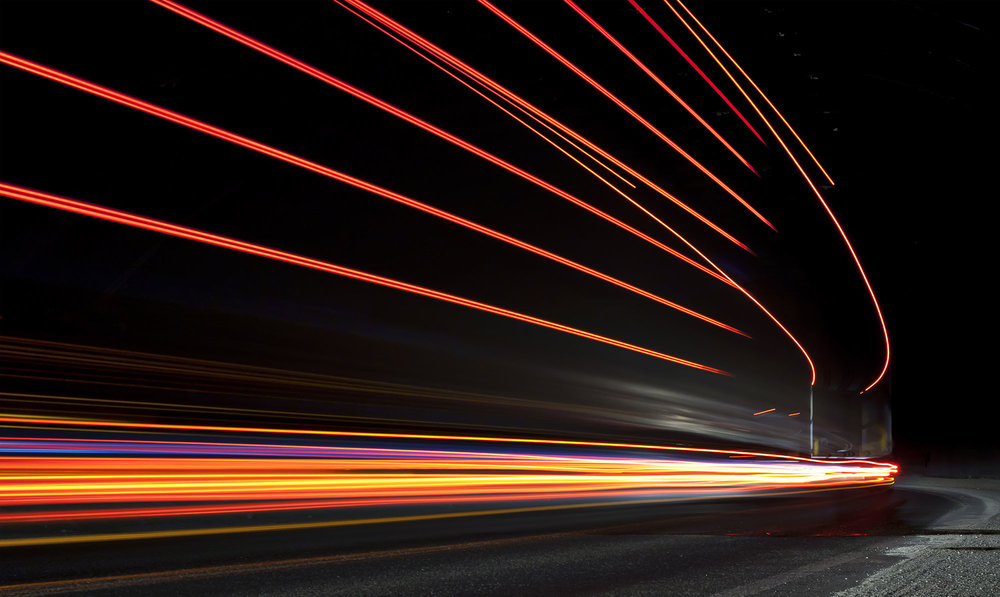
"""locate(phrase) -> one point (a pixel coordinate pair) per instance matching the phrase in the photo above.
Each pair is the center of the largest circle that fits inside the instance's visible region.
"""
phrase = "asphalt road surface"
(922, 537)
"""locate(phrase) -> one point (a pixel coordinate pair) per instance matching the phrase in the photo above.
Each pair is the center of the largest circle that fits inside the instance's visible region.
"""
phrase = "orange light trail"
(626, 108)
(332, 477)
(695, 67)
(225, 135)
(121, 217)
(794, 414)
(527, 106)
(30, 481)
(355, 182)
(763, 412)
(805, 175)
(737, 65)
(35, 421)
(423, 56)
(720, 277)
(407, 117)
(593, 23)
(521, 102)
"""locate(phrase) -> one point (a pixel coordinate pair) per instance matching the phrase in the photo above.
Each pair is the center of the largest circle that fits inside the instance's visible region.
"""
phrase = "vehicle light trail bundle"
(47, 477)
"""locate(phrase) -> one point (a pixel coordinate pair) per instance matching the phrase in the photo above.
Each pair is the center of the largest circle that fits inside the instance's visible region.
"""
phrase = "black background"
(892, 96)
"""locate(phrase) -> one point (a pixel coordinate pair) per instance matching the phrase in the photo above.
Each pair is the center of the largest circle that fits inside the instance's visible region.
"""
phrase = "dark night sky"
(891, 95)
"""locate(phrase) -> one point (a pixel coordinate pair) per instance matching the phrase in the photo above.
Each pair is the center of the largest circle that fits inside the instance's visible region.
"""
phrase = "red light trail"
(232, 137)
(521, 29)
(121, 217)
(593, 23)
(389, 108)
(695, 67)
(805, 175)
(638, 205)
(36, 421)
(330, 173)
(524, 104)
(489, 83)
(736, 64)
(42, 484)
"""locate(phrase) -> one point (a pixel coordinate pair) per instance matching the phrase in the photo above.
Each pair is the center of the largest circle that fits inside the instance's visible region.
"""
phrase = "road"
(922, 537)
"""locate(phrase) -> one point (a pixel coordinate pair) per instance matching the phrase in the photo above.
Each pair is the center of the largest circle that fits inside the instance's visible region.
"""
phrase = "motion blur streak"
(127, 478)
(370, 99)
(524, 104)
(736, 64)
(436, 64)
(386, 107)
(808, 179)
(514, 98)
(638, 205)
(593, 23)
(695, 67)
(341, 177)
(506, 18)
(236, 245)
(36, 421)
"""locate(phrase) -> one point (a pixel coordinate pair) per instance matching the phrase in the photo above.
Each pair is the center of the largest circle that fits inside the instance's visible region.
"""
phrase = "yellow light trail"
(808, 179)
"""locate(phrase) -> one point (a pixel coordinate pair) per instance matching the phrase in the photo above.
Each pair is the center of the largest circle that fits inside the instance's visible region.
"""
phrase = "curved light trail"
(267, 50)
(461, 66)
(805, 175)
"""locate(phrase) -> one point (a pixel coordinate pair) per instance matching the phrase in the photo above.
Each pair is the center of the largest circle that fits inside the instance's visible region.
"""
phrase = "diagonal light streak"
(461, 66)
(389, 108)
(339, 176)
(385, 106)
(736, 64)
(635, 115)
(482, 93)
(695, 67)
(593, 23)
(501, 90)
(570, 142)
(121, 217)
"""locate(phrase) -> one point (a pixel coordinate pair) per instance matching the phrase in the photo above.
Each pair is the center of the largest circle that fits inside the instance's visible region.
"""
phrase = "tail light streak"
(216, 477)
(500, 90)
(736, 64)
(507, 19)
(597, 26)
(514, 98)
(121, 217)
(695, 67)
(284, 156)
(372, 100)
(341, 177)
(798, 166)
